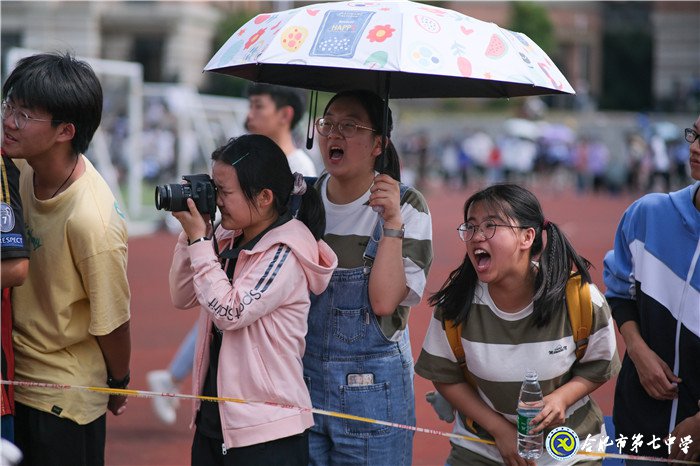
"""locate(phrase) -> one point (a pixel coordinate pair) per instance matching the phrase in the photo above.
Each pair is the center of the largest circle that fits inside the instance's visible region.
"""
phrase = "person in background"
(71, 316)
(508, 294)
(15, 265)
(653, 286)
(274, 112)
(358, 359)
(252, 282)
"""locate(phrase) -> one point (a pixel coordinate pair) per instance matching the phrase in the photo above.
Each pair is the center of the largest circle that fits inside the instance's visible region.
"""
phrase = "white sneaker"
(10, 455)
(164, 407)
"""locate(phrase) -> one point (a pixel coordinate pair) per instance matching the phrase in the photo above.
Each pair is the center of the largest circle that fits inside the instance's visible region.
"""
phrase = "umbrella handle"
(385, 130)
(311, 125)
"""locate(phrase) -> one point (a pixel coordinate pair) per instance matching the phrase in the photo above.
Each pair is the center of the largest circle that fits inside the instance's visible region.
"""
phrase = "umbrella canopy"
(399, 49)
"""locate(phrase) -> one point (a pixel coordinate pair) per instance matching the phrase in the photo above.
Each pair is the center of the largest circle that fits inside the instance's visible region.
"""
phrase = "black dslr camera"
(173, 197)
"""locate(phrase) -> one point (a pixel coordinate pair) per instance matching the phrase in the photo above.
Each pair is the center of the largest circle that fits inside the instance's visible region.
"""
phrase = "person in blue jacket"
(653, 288)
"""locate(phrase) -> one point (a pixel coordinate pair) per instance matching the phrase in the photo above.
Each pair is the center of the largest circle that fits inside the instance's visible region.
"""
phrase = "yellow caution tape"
(323, 412)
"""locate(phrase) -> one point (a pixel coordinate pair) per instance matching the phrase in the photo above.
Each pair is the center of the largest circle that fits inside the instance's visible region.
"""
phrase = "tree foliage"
(533, 20)
(218, 83)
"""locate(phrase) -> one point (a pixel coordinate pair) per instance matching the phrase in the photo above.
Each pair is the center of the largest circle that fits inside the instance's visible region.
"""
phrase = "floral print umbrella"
(399, 49)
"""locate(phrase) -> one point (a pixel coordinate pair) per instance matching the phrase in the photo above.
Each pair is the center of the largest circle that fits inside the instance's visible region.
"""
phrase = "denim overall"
(344, 345)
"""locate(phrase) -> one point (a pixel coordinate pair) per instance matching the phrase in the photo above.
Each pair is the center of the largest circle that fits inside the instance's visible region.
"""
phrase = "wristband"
(122, 383)
(392, 233)
(203, 238)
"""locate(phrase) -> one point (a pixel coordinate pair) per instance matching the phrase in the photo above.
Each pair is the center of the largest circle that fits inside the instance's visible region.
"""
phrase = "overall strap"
(373, 243)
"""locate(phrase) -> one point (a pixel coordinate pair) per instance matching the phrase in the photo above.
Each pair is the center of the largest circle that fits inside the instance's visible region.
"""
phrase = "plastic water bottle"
(530, 403)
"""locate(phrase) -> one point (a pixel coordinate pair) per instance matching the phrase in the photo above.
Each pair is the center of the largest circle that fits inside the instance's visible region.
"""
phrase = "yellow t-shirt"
(76, 288)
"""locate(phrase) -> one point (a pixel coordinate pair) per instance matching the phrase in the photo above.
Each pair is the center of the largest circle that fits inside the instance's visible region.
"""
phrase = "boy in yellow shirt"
(71, 316)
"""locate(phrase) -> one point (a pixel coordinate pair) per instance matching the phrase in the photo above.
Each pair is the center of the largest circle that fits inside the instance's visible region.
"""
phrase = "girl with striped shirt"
(509, 295)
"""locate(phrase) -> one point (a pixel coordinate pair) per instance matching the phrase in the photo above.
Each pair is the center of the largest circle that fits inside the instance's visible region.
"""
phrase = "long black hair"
(388, 161)
(557, 257)
(261, 164)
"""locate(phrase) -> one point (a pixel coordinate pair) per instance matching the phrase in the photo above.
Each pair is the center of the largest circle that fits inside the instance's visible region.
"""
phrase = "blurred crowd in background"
(531, 148)
(551, 155)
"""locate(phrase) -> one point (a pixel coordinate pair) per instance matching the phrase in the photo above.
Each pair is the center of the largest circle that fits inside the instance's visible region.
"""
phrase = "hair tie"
(545, 224)
(299, 185)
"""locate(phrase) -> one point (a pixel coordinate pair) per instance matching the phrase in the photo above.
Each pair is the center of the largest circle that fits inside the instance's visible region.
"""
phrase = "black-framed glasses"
(346, 128)
(691, 135)
(20, 118)
(487, 228)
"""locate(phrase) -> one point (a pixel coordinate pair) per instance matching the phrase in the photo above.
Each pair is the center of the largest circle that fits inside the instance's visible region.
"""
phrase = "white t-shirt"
(348, 230)
(300, 162)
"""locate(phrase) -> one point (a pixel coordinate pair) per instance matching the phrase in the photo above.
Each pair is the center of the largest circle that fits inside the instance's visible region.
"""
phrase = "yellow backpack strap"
(580, 307)
(454, 337)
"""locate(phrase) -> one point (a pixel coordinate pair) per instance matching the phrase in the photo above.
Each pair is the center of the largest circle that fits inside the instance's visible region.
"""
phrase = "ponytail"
(388, 162)
(457, 293)
(311, 212)
(557, 261)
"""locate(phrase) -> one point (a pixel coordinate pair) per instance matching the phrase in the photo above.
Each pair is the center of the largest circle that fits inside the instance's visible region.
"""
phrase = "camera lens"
(162, 197)
(172, 197)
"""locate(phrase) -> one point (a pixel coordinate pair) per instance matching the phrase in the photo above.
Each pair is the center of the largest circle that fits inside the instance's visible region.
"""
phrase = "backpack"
(580, 307)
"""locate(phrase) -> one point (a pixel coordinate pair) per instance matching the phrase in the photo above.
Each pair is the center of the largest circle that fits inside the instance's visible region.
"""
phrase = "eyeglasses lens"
(468, 230)
(345, 129)
(19, 118)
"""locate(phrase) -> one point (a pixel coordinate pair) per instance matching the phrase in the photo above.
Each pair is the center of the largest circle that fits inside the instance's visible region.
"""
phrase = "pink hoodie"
(263, 318)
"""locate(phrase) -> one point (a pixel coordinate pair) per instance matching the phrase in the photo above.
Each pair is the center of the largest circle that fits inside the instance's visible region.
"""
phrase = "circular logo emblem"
(7, 217)
(562, 443)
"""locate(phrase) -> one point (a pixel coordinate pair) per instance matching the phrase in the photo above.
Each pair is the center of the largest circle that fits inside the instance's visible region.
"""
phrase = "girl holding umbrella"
(358, 356)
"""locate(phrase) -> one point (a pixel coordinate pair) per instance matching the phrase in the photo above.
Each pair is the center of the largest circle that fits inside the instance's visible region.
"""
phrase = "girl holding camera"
(254, 302)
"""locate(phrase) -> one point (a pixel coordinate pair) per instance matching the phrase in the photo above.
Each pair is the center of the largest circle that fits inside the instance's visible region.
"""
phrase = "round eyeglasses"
(20, 118)
(346, 128)
(487, 228)
(691, 135)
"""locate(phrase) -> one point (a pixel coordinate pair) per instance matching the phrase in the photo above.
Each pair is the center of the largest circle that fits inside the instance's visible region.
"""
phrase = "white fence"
(152, 133)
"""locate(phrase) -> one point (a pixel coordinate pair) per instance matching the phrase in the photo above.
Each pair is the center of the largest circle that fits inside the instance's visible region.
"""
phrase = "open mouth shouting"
(335, 153)
(482, 259)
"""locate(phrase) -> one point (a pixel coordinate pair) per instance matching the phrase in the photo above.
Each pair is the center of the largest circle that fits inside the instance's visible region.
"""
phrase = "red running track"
(137, 438)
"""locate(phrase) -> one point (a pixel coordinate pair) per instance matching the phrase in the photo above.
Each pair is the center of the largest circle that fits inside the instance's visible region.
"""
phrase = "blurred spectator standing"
(638, 170)
(449, 162)
(580, 164)
(678, 154)
(421, 148)
(661, 165)
(598, 161)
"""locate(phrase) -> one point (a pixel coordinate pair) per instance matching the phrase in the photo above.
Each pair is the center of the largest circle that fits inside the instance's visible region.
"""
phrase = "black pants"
(288, 451)
(48, 440)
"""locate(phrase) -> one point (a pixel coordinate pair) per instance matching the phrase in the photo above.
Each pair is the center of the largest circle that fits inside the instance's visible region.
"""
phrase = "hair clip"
(233, 164)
